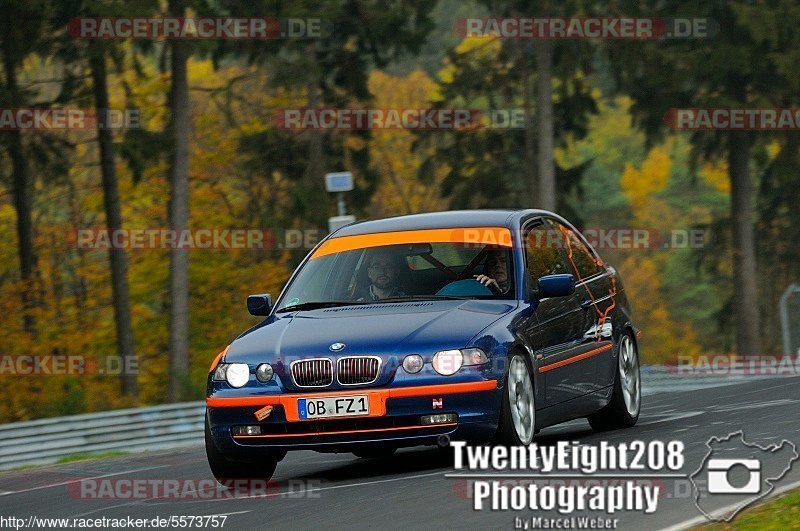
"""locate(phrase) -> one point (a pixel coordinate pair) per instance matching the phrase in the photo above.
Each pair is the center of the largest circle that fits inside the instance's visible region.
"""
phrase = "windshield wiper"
(318, 304)
(425, 298)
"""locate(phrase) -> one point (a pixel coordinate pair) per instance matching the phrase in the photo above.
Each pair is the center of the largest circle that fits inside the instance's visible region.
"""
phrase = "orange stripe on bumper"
(573, 359)
(377, 397)
(344, 432)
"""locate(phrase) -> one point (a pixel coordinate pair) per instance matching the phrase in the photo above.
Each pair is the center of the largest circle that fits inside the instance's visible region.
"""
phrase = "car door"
(596, 298)
(556, 331)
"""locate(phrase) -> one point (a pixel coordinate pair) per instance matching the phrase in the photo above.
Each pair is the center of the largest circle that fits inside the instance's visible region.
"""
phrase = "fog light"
(247, 430)
(264, 372)
(441, 418)
(413, 363)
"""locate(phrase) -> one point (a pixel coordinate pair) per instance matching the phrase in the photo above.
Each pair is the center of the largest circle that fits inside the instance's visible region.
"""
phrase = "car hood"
(387, 330)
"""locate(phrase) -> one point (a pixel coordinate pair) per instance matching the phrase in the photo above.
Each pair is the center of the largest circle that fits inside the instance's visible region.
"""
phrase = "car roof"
(441, 220)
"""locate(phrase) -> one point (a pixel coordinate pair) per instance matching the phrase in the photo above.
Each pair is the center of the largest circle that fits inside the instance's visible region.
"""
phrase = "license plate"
(332, 406)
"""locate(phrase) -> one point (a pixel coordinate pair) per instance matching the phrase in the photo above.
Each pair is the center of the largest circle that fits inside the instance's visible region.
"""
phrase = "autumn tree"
(329, 69)
(491, 166)
(744, 65)
(17, 41)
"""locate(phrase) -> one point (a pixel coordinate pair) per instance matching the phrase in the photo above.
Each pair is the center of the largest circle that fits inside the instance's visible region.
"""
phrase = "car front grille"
(312, 373)
(356, 370)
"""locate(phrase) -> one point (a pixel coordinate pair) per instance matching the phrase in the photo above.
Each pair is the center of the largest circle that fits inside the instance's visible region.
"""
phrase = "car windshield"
(402, 272)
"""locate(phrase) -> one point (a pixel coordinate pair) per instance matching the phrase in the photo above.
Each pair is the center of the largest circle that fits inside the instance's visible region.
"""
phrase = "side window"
(542, 252)
(580, 260)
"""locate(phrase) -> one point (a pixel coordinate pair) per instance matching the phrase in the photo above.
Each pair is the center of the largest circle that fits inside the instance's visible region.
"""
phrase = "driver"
(384, 272)
(495, 272)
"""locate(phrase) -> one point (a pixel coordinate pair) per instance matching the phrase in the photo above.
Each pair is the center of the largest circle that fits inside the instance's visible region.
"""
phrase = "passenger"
(495, 272)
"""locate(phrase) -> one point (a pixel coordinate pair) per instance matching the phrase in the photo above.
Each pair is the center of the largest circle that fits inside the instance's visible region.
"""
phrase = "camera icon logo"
(719, 476)
(739, 473)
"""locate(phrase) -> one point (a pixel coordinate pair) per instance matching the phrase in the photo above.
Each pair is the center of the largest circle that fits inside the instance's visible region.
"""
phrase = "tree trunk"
(530, 133)
(22, 196)
(744, 256)
(117, 257)
(179, 217)
(314, 190)
(544, 108)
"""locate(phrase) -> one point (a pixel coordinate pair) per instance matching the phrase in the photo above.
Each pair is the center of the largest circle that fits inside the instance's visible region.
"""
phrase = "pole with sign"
(339, 183)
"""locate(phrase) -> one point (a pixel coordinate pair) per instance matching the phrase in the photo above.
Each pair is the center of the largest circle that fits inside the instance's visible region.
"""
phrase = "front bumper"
(394, 419)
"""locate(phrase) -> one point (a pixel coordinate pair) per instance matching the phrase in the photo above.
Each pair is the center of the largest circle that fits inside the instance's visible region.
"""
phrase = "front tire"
(225, 470)
(518, 413)
(626, 398)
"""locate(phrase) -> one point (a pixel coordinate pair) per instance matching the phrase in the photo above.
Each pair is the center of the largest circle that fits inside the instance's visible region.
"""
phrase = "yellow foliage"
(639, 185)
(773, 148)
(663, 338)
(611, 125)
(392, 153)
(480, 49)
(78, 318)
(716, 174)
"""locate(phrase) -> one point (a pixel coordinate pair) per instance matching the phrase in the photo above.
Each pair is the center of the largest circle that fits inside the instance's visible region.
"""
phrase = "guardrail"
(45, 441)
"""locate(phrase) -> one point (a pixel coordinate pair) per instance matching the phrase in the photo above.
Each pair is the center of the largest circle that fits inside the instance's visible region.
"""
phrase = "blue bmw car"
(484, 325)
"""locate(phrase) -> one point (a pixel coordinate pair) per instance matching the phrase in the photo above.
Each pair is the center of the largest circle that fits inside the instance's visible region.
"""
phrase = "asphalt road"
(410, 491)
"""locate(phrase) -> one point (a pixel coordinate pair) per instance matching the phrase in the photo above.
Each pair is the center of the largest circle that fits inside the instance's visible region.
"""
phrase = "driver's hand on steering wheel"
(489, 282)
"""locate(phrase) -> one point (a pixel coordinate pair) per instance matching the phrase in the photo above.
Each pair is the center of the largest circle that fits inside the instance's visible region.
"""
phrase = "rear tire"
(225, 469)
(517, 424)
(626, 398)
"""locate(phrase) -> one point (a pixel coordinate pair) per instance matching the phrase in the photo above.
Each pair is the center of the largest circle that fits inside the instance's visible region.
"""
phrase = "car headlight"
(219, 373)
(237, 374)
(264, 372)
(474, 356)
(447, 362)
(413, 363)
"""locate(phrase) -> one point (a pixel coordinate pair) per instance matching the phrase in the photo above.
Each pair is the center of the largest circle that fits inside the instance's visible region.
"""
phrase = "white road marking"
(62, 483)
(670, 418)
(757, 405)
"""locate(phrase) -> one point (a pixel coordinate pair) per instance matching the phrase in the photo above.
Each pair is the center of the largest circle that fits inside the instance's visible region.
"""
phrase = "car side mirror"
(556, 285)
(259, 304)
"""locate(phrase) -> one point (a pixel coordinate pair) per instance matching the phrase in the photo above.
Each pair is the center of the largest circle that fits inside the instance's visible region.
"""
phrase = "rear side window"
(542, 252)
(580, 259)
